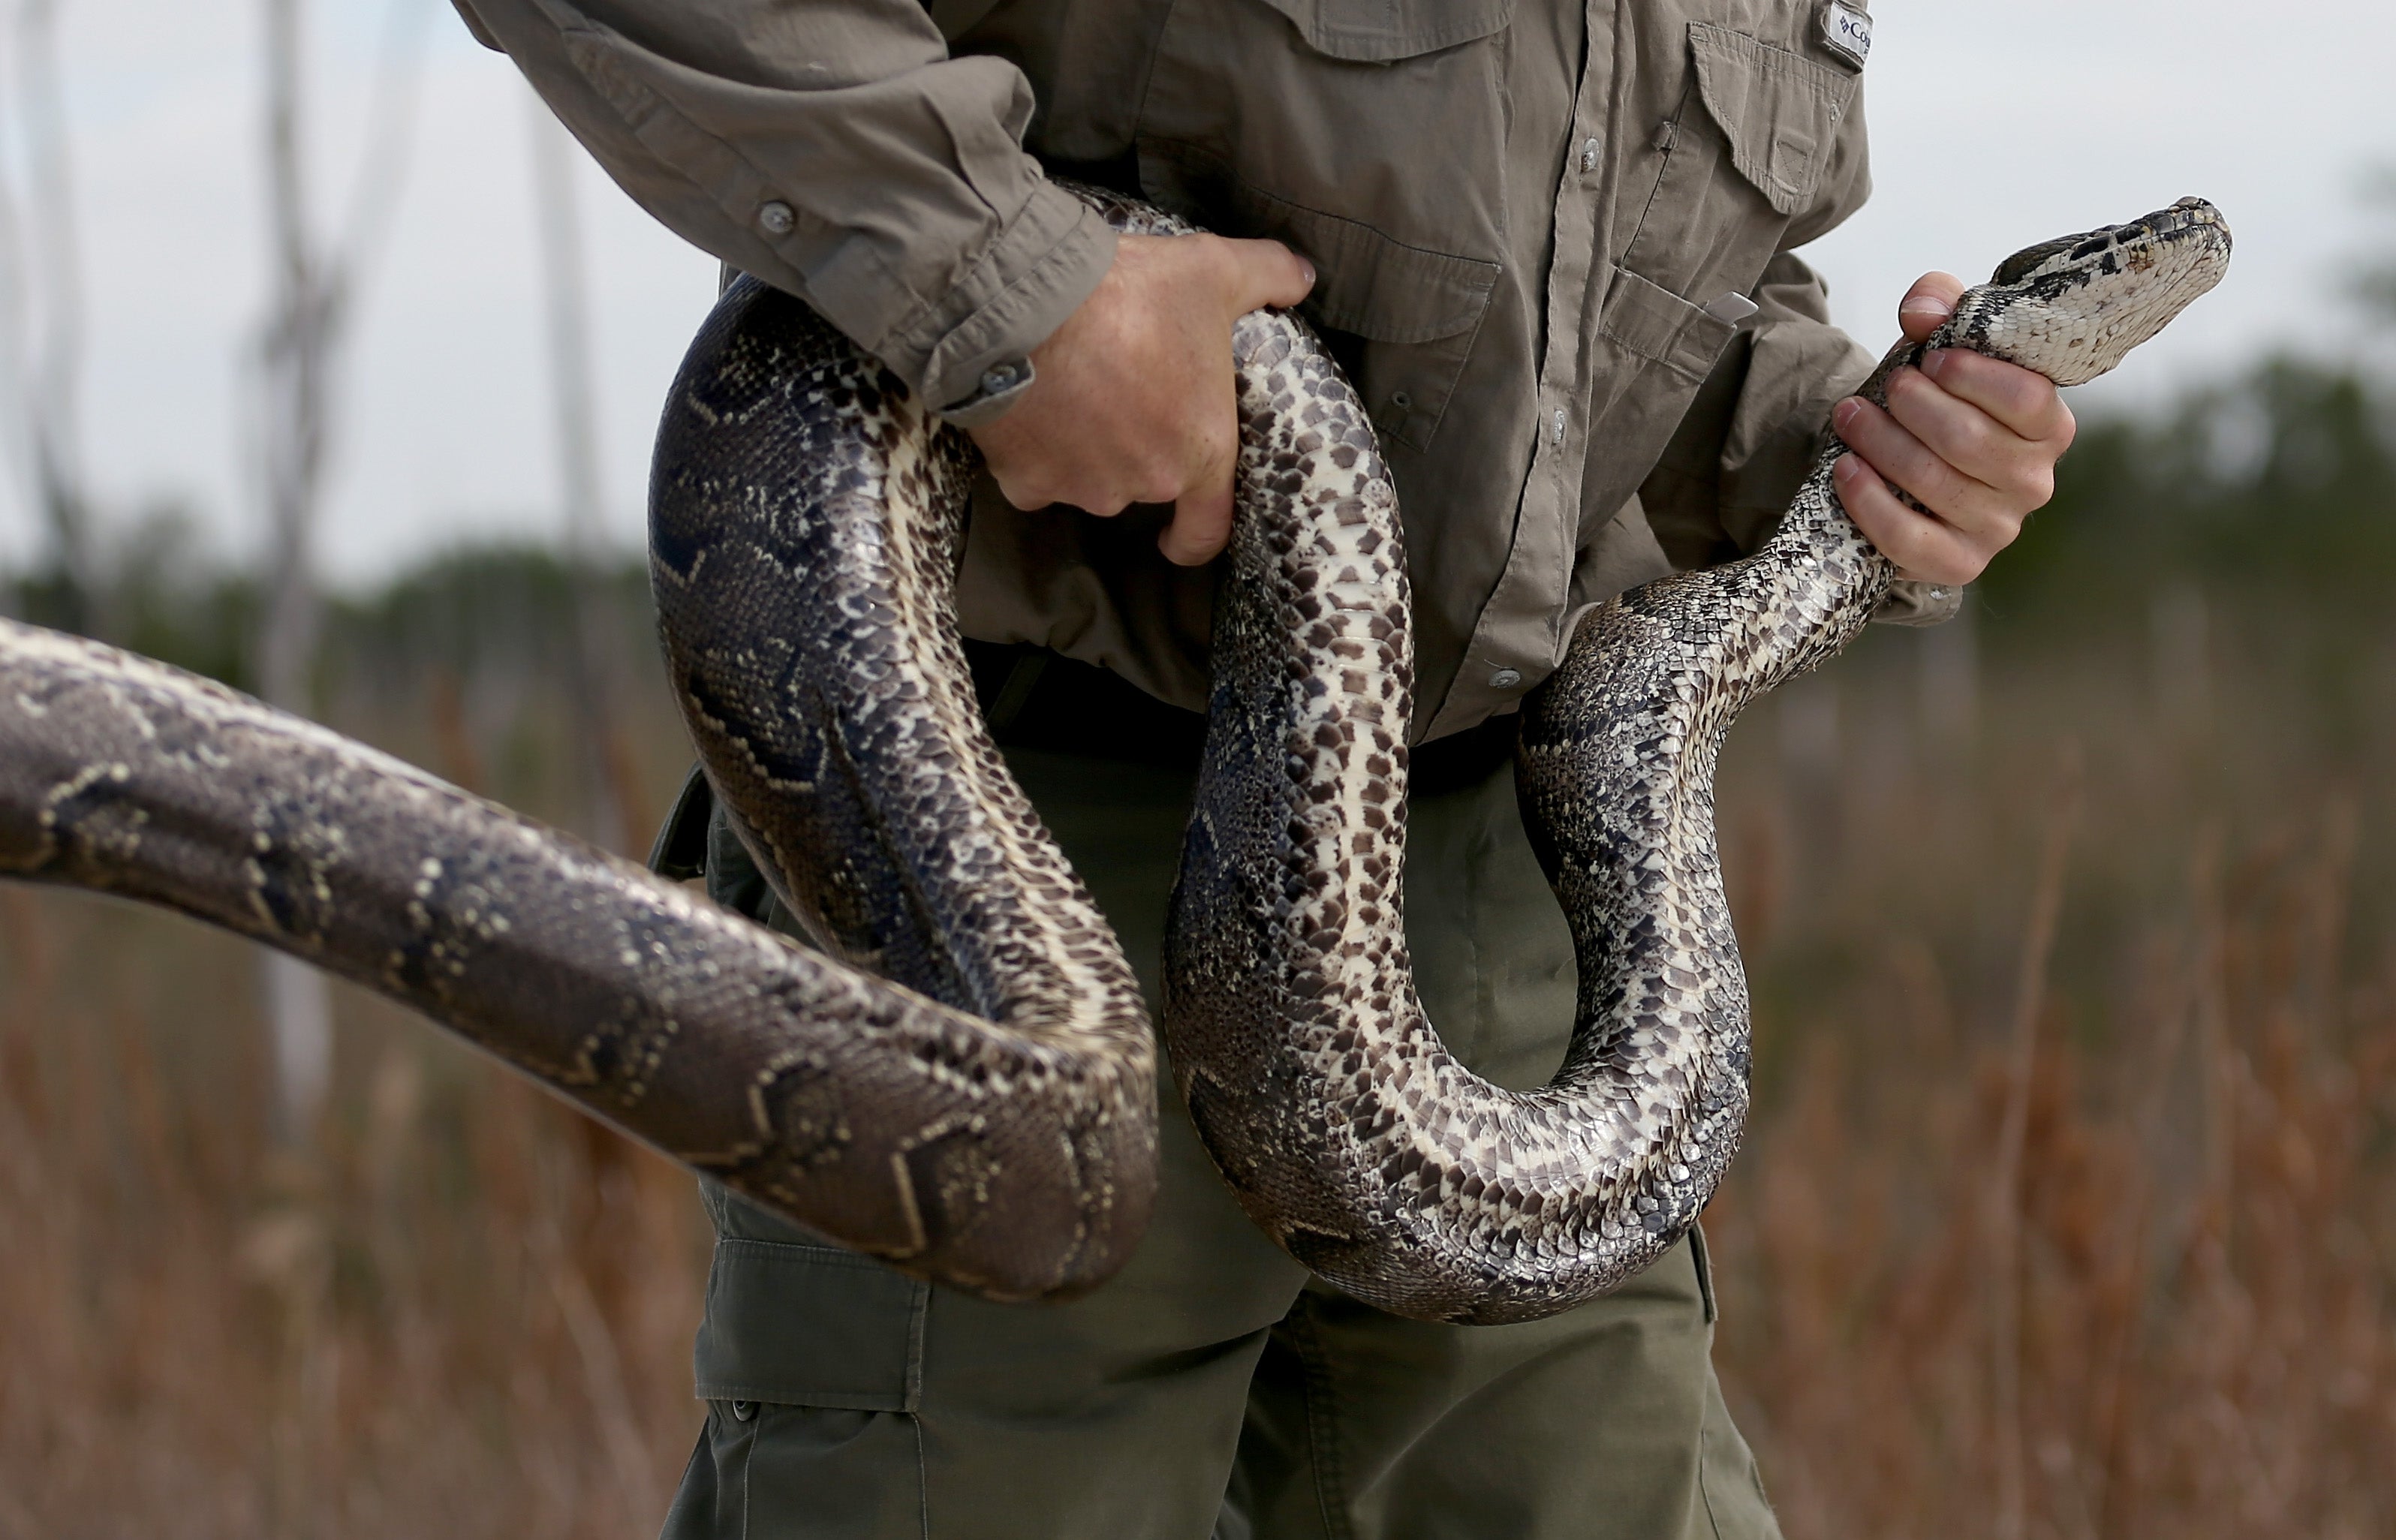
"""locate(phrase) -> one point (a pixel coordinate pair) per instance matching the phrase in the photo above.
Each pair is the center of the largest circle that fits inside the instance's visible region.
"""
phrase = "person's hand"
(1132, 399)
(1973, 439)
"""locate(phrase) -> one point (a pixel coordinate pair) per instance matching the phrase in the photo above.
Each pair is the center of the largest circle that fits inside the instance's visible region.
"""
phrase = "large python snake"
(959, 1078)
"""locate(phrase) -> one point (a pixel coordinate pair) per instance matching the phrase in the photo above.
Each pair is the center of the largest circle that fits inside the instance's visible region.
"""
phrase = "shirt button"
(1505, 678)
(1556, 425)
(999, 378)
(776, 217)
(1588, 154)
(744, 1411)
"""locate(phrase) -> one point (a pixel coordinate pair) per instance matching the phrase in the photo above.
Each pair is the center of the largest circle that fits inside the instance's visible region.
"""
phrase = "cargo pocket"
(810, 1360)
(1748, 149)
(1737, 1508)
(1367, 135)
(1736, 1505)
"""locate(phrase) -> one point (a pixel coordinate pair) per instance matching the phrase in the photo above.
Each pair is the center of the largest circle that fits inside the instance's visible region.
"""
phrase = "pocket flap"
(1375, 32)
(1365, 283)
(1380, 288)
(802, 1326)
(1781, 111)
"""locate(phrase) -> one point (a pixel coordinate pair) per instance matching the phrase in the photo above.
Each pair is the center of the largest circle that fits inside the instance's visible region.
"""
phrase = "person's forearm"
(835, 150)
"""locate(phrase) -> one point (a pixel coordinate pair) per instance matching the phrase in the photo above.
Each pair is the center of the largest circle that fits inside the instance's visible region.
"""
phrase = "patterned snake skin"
(961, 1080)
(1345, 1127)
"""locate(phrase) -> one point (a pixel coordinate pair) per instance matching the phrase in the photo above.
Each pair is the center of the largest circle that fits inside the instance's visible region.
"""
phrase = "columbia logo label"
(1848, 33)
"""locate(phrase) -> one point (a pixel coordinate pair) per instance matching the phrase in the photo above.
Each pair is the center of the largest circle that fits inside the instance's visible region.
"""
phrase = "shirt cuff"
(972, 352)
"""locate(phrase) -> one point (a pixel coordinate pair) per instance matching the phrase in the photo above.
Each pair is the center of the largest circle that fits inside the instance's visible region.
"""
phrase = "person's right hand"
(1132, 399)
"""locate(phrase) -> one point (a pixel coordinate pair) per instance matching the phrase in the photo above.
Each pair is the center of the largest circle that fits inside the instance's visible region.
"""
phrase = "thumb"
(1202, 518)
(1927, 304)
(1267, 272)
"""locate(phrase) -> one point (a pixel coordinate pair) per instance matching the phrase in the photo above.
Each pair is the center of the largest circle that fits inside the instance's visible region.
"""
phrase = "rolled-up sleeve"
(833, 148)
(1751, 436)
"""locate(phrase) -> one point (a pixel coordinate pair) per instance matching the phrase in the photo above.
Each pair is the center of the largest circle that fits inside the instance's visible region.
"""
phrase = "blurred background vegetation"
(2070, 1206)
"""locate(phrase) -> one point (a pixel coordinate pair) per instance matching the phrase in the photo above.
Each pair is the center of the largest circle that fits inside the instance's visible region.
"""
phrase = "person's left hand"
(1973, 439)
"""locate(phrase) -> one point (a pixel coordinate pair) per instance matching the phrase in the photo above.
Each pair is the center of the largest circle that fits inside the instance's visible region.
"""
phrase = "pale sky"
(1995, 122)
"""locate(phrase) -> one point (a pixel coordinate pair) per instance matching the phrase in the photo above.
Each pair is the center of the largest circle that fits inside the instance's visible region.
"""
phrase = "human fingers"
(1201, 505)
(2020, 470)
(1049, 451)
(1264, 272)
(2022, 399)
(1021, 489)
(1921, 546)
(1927, 304)
(1202, 523)
(1010, 453)
(1893, 451)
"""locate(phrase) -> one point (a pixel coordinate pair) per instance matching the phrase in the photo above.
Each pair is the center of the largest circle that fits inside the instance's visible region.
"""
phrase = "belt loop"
(1013, 696)
(680, 852)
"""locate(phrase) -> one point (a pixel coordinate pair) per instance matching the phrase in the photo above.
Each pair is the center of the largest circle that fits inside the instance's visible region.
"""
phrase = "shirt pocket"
(1367, 135)
(1654, 351)
(1376, 31)
(1656, 325)
(1745, 152)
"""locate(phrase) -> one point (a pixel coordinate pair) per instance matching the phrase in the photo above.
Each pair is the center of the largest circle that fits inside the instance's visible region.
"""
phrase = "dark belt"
(1035, 699)
(1042, 700)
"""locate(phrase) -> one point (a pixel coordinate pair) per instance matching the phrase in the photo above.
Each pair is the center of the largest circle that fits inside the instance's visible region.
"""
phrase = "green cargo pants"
(1211, 1388)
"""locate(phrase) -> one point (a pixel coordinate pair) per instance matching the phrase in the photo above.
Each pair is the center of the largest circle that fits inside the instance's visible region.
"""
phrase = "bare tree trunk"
(313, 283)
(296, 353)
(606, 771)
(42, 345)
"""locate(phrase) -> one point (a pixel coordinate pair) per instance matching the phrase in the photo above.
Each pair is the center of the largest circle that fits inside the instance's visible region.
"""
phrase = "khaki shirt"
(1532, 222)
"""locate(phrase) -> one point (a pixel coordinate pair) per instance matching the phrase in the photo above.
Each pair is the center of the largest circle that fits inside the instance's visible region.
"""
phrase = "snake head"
(2073, 307)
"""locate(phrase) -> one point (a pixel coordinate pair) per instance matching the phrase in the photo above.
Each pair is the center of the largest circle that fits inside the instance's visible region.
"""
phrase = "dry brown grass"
(2091, 1233)
(467, 1313)
(2071, 1205)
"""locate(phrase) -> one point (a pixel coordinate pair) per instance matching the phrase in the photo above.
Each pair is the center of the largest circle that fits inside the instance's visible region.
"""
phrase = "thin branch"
(300, 331)
(299, 351)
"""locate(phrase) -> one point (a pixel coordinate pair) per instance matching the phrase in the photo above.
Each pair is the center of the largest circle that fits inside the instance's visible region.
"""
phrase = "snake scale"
(959, 1076)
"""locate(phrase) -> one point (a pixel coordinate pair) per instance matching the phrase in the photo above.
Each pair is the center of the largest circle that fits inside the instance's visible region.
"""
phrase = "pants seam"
(1704, 1488)
(918, 1328)
(748, 1459)
(923, 1480)
(1321, 1424)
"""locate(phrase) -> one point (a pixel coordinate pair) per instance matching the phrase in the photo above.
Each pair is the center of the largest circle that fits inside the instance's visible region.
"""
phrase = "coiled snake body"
(961, 1079)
